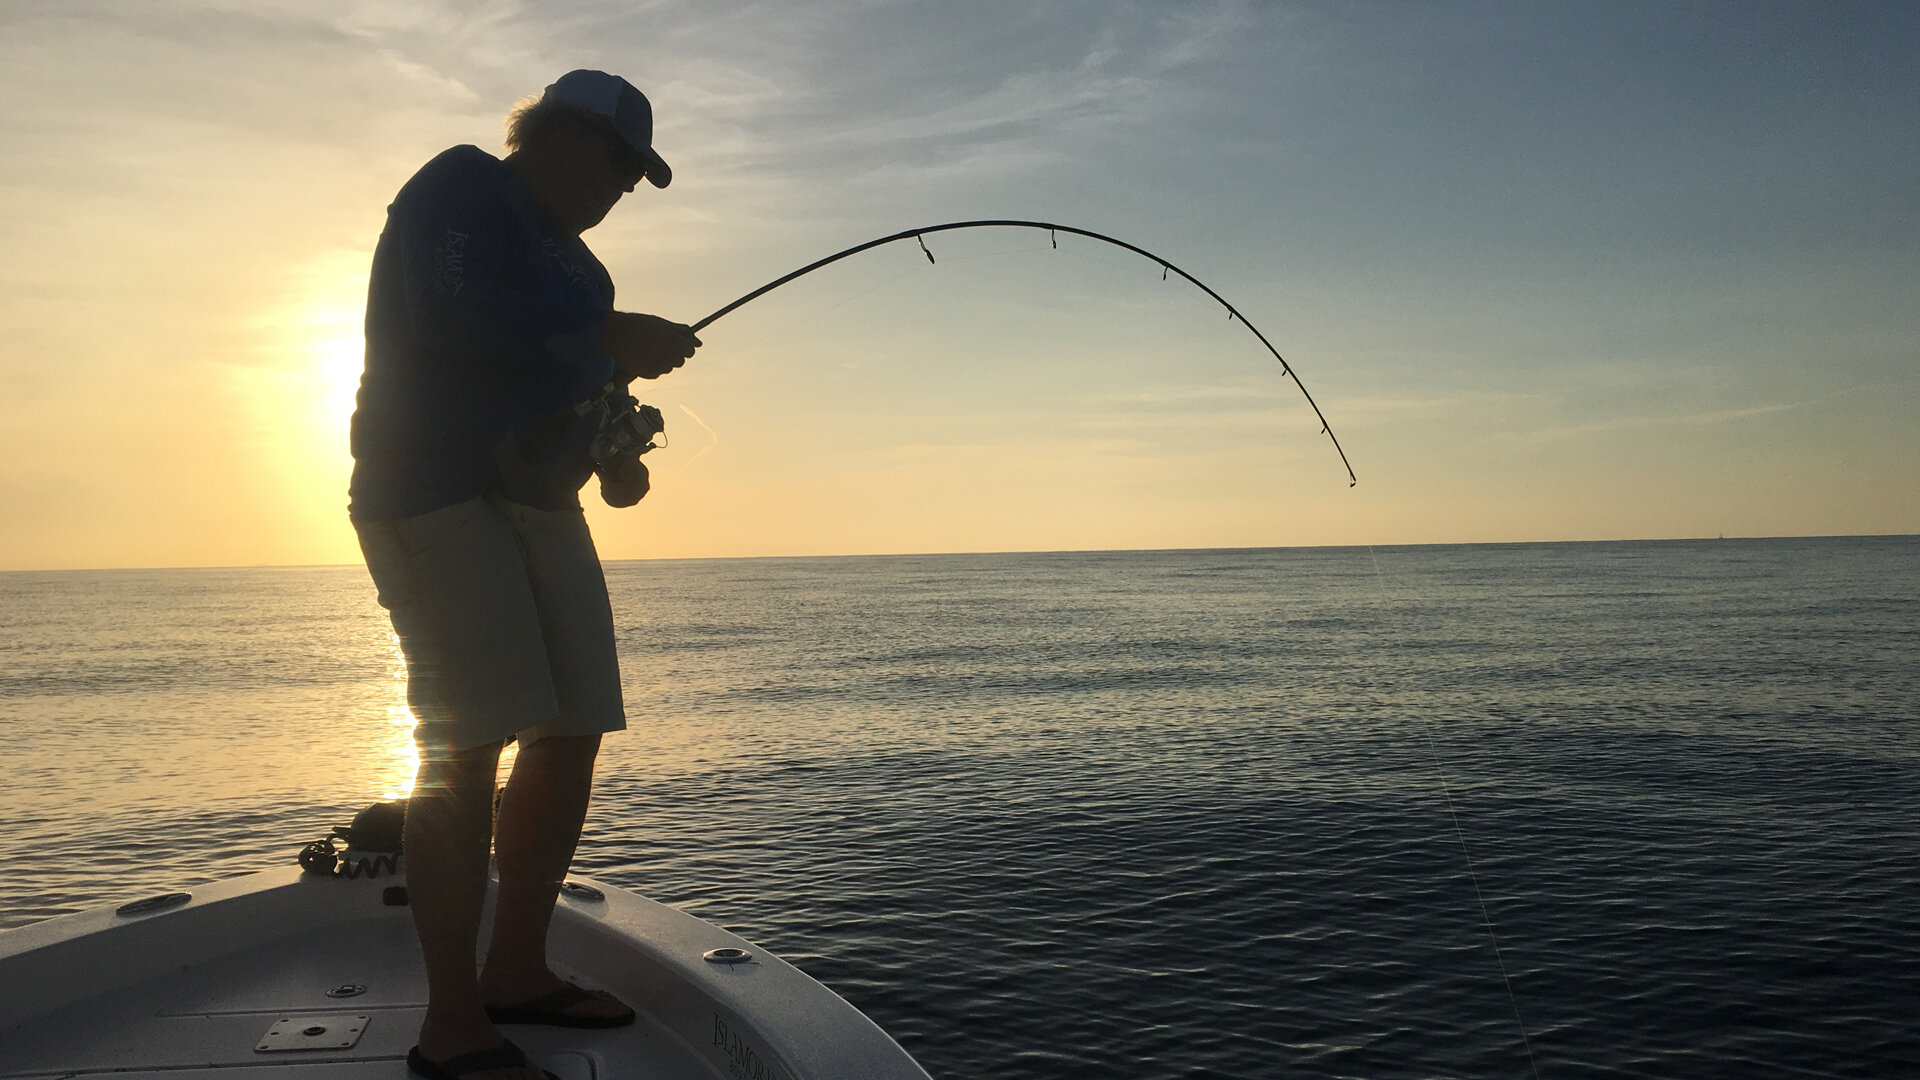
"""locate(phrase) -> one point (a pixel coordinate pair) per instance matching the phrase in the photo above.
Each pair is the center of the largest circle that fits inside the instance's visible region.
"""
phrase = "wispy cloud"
(713, 437)
(1359, 411)
(986, 87)
(1616, 424)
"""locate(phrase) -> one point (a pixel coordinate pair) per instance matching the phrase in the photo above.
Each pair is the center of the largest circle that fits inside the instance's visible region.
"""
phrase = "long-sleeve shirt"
(482, 322)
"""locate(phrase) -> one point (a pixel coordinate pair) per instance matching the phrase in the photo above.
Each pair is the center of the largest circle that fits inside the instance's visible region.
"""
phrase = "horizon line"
(1032, 551)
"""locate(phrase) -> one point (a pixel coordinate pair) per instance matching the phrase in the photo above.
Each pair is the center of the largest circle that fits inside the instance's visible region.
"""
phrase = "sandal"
(551, 1009)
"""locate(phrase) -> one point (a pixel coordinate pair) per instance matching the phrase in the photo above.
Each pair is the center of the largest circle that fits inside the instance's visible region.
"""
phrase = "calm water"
(1173, 814)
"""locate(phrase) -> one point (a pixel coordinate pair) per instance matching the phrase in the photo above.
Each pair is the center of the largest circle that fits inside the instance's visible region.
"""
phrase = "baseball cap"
(624, 108)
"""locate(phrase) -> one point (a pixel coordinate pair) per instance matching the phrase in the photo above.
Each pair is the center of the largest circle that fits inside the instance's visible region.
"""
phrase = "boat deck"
(278, 977)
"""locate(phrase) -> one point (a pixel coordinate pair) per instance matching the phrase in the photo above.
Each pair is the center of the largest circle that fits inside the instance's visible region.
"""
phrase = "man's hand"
(623, 483)
(647, 346)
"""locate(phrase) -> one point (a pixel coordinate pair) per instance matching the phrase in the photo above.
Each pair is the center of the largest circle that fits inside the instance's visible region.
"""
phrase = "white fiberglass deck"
(270, 977)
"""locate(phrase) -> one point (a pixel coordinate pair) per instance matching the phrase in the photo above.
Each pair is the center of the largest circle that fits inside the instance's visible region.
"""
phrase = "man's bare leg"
(541, 812)
(449, 824)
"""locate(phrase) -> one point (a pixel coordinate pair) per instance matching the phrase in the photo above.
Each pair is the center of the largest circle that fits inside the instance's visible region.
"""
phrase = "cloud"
(1703, 418)
(1358, 411)
(938, 88)
(713, 437)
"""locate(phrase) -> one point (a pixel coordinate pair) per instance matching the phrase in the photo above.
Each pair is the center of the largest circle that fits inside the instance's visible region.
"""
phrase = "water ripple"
(1150, 815)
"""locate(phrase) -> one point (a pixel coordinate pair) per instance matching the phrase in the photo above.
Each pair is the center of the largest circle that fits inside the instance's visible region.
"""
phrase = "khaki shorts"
(502, 613)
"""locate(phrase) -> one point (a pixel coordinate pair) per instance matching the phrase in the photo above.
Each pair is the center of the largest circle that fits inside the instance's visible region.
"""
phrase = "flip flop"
(504, 1056)
(551, 1009)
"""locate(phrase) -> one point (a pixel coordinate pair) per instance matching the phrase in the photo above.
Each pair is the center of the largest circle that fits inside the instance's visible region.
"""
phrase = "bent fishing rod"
(618, 384)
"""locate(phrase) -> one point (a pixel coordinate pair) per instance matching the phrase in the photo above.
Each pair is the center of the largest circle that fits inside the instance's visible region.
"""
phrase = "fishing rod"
(617, 386)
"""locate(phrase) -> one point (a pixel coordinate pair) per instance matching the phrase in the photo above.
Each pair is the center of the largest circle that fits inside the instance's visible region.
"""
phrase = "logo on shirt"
(450, 263)
(574, 273)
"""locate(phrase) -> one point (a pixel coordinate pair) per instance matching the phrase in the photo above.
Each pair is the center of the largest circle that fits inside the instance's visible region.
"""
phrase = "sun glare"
(338, 355)
(326, 342)
(403, 757)
(300, 395)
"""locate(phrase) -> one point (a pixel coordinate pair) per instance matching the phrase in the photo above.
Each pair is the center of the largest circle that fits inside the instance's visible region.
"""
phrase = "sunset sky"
(1552, 271)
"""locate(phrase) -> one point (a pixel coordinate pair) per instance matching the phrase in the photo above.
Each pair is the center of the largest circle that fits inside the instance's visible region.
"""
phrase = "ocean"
(1556, 810)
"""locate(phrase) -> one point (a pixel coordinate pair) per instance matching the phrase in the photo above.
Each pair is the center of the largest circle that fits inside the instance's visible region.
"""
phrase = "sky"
(1569, 271)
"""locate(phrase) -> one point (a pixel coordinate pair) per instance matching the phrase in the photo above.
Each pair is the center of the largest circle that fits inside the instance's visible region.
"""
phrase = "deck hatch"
(333, 1031)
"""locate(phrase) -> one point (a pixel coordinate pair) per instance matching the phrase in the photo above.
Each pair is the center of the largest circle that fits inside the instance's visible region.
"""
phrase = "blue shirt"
(482, 323)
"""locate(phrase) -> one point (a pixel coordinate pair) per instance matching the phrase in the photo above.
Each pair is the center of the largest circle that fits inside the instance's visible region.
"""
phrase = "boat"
(290, 974)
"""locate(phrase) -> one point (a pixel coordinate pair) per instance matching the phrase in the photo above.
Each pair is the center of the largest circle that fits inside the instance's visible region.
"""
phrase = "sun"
(325, 341)
(337, 363)
(298, 394)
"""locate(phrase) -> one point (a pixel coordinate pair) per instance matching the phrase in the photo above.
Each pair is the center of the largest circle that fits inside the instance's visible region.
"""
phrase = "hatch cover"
(333, 1031)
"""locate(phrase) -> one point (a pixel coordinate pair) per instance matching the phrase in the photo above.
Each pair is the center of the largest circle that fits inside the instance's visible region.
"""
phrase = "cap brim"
(659, 174)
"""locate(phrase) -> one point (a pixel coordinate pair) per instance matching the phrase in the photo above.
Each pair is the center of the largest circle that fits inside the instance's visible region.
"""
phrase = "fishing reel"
(627, 430)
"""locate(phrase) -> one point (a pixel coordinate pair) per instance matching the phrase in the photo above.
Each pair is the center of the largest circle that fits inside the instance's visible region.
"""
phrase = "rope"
(324, 857)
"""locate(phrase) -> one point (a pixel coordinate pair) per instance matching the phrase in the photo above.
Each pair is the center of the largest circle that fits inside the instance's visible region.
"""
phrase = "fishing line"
(805, 319)
(919, 235)
(811, 316)
(996, 254)
(1473, 874)
(1098, 261)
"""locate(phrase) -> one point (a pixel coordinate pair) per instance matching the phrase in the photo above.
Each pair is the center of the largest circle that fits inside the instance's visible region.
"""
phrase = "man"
(486, 316)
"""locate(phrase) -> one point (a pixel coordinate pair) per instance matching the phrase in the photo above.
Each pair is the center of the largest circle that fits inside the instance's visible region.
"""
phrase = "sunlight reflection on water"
(404, 755)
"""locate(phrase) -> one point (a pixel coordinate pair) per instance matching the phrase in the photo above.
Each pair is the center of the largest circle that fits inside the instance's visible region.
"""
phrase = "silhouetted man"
(486, 316)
